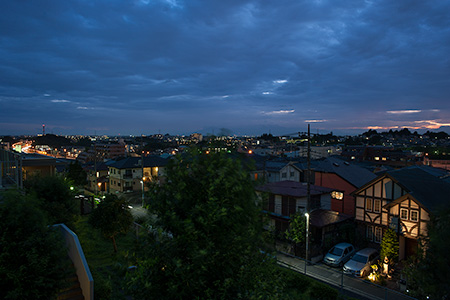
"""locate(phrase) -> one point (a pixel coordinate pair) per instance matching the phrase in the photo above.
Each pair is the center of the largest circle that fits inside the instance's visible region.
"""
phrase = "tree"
(33, 258)
(209, 244)
(297, 230)
(112, 216)
(56, 198)
(427, 272)
(389, 246)
(76, 174)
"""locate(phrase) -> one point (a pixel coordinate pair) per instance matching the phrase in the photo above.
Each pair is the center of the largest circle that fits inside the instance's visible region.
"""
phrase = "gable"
(383, 188)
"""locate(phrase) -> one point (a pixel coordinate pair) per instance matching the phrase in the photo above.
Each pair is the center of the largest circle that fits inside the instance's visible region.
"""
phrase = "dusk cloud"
(182, 66)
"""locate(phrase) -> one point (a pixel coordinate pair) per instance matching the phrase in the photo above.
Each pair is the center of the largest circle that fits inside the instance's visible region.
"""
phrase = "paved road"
(354, 287)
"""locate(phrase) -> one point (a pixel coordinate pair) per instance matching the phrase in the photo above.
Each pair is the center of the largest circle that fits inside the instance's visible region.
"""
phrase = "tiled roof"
(354, 174)
(135, 162)
(292, 189)
(430, 190)
(321, 217)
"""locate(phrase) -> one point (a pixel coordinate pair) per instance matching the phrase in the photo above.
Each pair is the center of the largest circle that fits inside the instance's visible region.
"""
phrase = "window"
(377, 206)
(277, 205)
(378, 234)
(291, 174)
(283, 175)
(369, 233)
(369, 204)
(414, 215)
(337, 195)
(403, 214)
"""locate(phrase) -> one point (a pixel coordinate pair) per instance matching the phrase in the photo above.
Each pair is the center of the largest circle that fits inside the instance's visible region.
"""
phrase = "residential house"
(98, 177)
(403, 200)
(289, 197)
(132, 173)
(342, 176)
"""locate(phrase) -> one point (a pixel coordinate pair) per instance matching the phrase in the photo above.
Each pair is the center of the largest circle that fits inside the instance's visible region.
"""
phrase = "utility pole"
(142, 166)
(308, 195)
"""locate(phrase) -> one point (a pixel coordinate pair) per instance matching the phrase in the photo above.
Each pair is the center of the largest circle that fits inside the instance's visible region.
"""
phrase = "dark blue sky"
(183, 66)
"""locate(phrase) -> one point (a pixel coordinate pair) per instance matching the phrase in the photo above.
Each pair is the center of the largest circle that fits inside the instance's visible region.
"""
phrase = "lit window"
(369, 204)
(377, 206)
(377, 158)
(404, 214)
(414, 215)
(337, 195)
(378, 234)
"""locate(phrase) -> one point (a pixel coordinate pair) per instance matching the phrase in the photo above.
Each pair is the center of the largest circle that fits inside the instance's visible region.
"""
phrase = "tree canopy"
(427, 273)
(209, 244)
(389, 246)
(33, 258)
(55, 198)
(112, 216)
(76, 174)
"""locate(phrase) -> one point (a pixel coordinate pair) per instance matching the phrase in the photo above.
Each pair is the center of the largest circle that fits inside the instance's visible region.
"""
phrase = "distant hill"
(54, 141)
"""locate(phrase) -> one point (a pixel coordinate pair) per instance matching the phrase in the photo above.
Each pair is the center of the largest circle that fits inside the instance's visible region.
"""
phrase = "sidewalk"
(335, 277)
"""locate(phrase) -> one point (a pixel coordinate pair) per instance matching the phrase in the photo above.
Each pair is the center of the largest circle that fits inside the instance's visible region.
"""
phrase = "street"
(354, 287)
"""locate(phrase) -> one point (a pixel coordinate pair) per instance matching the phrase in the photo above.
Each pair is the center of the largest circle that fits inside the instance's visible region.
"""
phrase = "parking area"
(357, 287)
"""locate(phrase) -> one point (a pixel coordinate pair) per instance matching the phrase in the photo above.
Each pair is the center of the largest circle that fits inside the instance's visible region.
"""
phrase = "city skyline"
(251, 67)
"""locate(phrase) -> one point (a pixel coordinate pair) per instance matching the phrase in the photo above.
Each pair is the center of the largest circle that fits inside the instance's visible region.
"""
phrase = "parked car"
(360, 264)
(339, 254)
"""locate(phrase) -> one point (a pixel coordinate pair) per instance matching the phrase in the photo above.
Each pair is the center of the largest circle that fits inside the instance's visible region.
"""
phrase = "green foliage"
(33, 258)
(103, 263)
(427, 274)
(389, 246)
(76, 174)
(55, 198)
(322, 291)
(209, 240)
(299, 286)
(297, 228)
(112, 216)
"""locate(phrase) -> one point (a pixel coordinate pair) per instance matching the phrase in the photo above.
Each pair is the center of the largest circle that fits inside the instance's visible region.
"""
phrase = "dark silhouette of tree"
(76, 174)
(427, 272)
(33, 258)
(55, 197)
(112, 216)
(209, 241)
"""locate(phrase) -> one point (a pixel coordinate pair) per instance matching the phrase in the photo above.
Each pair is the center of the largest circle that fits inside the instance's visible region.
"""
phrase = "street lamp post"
(142, 184)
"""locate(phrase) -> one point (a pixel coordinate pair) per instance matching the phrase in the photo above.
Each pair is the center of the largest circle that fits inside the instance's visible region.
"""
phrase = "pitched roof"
(355, 175)
(429, 190)
(292, 189)
(322, 217)
(136, 162)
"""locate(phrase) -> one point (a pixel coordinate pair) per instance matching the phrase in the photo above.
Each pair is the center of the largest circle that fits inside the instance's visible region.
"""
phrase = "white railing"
(76, 254)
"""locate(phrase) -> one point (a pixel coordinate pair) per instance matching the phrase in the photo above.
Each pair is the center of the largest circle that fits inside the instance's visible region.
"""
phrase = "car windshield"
(360, 258)
(336, 251)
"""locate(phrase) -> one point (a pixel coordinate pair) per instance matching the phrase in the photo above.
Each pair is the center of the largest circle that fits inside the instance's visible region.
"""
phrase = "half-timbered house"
(402, 200)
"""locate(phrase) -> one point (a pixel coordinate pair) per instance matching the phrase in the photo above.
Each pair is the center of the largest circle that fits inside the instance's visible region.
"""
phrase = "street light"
(142, 184)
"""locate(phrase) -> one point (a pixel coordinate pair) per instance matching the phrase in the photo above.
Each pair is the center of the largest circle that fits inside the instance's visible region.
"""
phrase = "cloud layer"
(133, 67)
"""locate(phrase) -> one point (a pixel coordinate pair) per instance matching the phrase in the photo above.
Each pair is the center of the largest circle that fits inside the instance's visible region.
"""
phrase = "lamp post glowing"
(142, 184)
